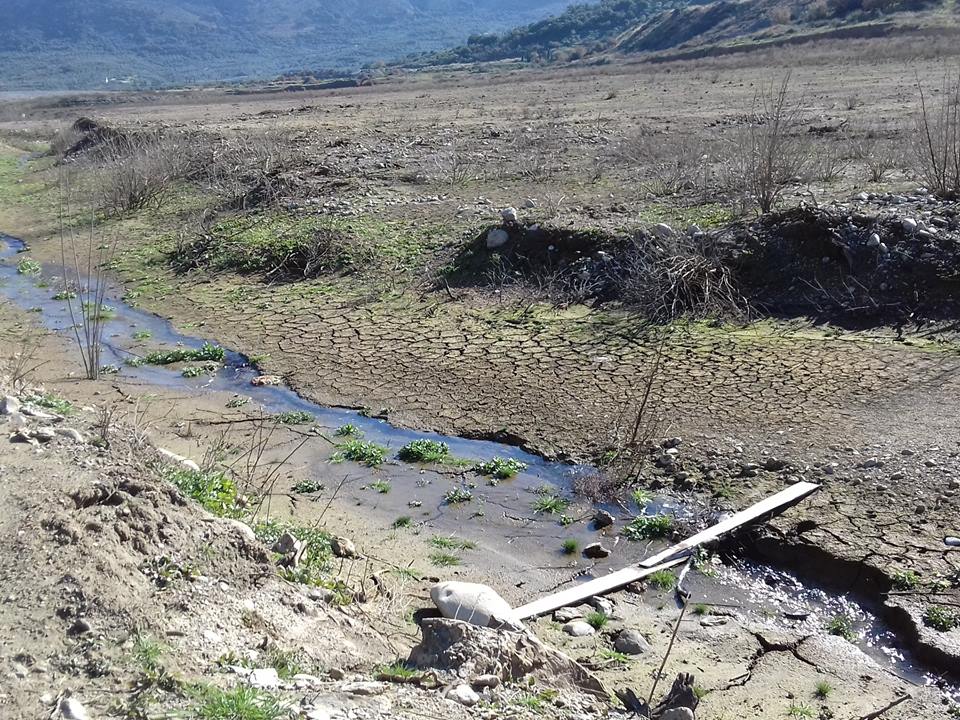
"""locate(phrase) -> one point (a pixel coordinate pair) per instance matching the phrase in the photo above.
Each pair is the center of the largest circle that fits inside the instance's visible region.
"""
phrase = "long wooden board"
(673, 555)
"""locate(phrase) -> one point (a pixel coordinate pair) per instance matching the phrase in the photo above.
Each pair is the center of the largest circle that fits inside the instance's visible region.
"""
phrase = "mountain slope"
(79, 43)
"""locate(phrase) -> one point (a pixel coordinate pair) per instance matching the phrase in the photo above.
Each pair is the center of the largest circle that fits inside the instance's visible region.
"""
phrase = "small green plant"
(550, 504)
(361, 451)
(29, 267)
(404, 521)
(64, 295)
(381, 486)
(617, 658)
(238, 402)
(213, 490)
(444, 559)
(305, 487)
(315, 563)
(597, 619)
(205, 352)
(565, 520)
(647, 527)
(642, 498)
(906, 580)
(500, 468)
(700, 692)
(147, 652)
(443, 542)
(99, 312)
(50, 401)
(457, 495)
(193, 371)
(348, 431)
(701, 609)
(842, 626)
(241, 703)
(799, 710)
(294, 417)
(287, 663)
(662, 579)
(940, 618)
(142, 335)
(398, 672)
(823, 690)
(569, 546)
(425, 451)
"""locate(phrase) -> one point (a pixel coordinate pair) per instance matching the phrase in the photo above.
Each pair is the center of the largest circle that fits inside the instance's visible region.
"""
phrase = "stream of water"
(768, 595)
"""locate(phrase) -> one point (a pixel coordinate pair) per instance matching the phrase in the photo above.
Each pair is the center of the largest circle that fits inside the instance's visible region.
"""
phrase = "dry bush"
(937, 139)
(451, 166)
(63, 140)
(247, 170)
(680, 276)
(879, 155)
(826, 162)
(668, 166)
(772, 149)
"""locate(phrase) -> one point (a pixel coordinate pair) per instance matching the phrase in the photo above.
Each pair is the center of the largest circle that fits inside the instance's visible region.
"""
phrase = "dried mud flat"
(871, 418)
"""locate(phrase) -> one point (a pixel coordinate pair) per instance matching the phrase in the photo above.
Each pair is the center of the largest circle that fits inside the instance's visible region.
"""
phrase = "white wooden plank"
(673, 555)
(775, 503)
(598, 586)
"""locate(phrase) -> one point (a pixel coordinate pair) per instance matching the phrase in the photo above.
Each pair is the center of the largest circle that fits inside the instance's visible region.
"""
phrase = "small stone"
(267, 381)
(774, 464)
(287, 543)
(343, 548)
(321, 595)
(9, 405)
(631, 642)
(486, 681)
(44, 434)
(662, 231)
(873, 241)
(463, 694)
(930, 463)
(578, 628)
(212, 636)
(909, 225)
(954, 484)
(71, 434)
(72, 709)
(364, 688)
(595, 551)
(509, 215)
(712, 620)
(264, 678)
(178, 459)
(603, 519)
(601, 604)
(566, 614)
(318, 713)
(796, 614)
(497, 238)
(678, 713)
(80, 627)
(336, 674)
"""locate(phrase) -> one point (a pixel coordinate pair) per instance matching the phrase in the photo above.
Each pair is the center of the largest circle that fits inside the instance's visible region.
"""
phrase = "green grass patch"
(569, 546)
(457, 496)
(500, 468)
(28, 267)
(641, 498)
(366, 453)
(381, 486)
(240, 703)
(425, 451)
(399, 672)
(142, 335)
(842, 626)
(597, 619)
(662, 579)
(800, 710)
(51, 401)
(550, 504)
(316, 562)
(648, 527)
(404, 521)
(206, 352)
(348, 431)
(823, 690)
(306, 487)
(614, 656)
(906, 580)
(216, 492)
(940, 618)
(294, 417)
(445, 542)
(65, 295)
(445, 559)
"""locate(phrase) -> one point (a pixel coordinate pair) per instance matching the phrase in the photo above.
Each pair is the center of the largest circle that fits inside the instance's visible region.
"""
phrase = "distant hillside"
(635, 26)
(76, 44)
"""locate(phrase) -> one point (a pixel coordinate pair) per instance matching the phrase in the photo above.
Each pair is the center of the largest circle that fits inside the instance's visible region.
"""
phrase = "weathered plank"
(579, 593)
(673, 555)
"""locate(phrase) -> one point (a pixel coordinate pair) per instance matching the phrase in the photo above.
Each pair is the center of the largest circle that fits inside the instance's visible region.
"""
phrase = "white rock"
(873, 241)
(72, 709)
(509, 215)
(497, 238)
(71, 434)
(578, 628)
(264, 678)
(680, 713)
(9, 405)
(567, 614)
(343, 548)
(473, 603)
(44, 434)
(662, 231)
(463, 694)
(364, 688)
(486, 681)
(212, 636)
(178, 459)
(318, 713)
(909, 225)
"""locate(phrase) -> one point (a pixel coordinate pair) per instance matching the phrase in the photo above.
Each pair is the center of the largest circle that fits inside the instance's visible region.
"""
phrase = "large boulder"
(473, 603)
(470, 650)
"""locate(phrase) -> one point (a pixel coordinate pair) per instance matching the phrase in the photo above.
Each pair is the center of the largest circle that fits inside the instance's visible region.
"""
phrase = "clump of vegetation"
(425, 451)
(64, 295)
(366, 453)
(206, 352)
(398, 672)
(142, 335)
(569, 546)
(294, 417)
(241, 703)
(662, 579)
(348, 431)
(617, 658)
(823, 690)
(443, 542)
(238, 402)
(799, 710)
(647, 527)
(642, 498)
(597, 619)
(51, 401)
(315, 563)
(500, 468)
(842, 626)
(216, 492)
(701, 609)
(194, 371)
(457, 495)
(29, 267)
(444, 559)
(404, 521)
(940, 618)
(550, 504)
(381, 486)
(906, 580)
(306, 487)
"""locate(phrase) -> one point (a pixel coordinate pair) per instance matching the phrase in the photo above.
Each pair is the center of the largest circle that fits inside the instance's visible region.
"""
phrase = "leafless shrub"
(249, 169)
(878, 154)
(452, 165)
(679, 276)
(84, 258)
(667, 166)
(63, 140)
(826, 163)
(937, 139)
(17, 367)
(771, 150)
